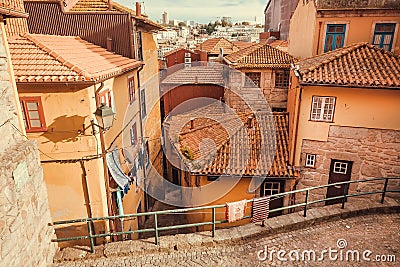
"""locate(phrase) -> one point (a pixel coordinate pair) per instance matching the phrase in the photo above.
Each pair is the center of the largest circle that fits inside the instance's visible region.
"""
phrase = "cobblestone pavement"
(377, 233)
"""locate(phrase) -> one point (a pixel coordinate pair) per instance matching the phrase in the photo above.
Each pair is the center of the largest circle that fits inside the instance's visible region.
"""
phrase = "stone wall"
(256, 97)
(24, 212)
(374, 153)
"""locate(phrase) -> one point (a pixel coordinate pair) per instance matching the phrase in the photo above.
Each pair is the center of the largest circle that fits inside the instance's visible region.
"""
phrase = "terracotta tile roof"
(102, 5)
(13, 8)
(281, 45)
(16, 26)
(260, 56)
(49, 58)
(178, 49)
(212, 46)
(357, 65)
(241, 45)
(196, 75)
(356, 4)
(224, 155)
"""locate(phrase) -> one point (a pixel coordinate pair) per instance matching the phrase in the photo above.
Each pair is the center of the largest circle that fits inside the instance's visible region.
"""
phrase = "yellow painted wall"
(355, 107)
(358, 29)
(308, 30)
(239, 192)
(65, 113)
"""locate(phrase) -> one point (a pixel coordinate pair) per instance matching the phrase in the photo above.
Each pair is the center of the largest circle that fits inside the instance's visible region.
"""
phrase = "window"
(32, 112)
(105, 97)
(271, 188)
(131, 87)
(322, 108)
(310, 160)
(134, 137)
(383, 35)
(143, 103)
(187, 54)
(139, 52)
(335, 34)
(252, 76)
(340, 167)
(282, 79)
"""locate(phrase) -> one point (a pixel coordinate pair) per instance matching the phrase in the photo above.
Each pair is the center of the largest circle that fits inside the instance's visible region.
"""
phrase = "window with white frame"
(271, 188)
(340, 167)
(323, 108)
(310, 160)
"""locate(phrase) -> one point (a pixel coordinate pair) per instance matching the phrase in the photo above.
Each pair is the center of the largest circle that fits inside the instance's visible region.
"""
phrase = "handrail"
(213, 208)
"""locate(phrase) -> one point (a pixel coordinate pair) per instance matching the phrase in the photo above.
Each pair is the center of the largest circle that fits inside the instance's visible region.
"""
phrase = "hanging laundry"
(235, 210)
(260, 209)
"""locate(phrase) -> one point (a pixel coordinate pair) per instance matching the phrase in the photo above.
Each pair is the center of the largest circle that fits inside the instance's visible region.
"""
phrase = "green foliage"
(187, 153)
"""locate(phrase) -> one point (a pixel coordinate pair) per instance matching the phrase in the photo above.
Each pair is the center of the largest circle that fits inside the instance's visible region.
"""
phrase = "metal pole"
(345, 193)
(384, 190)
(305, 207)
(156, 227)
(213, 221)
(89, 225)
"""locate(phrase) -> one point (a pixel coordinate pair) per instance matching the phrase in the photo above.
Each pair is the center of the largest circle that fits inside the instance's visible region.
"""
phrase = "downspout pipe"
(142, 136)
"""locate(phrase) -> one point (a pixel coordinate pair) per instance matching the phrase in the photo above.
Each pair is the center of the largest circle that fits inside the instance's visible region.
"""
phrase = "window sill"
(321, 121)
(36, 130)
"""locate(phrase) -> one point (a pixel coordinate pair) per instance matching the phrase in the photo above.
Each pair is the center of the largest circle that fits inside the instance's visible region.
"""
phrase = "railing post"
(346, 191)
(384, 190)
(156, 227)
(305, 207)
(89, 226)
(213, 222)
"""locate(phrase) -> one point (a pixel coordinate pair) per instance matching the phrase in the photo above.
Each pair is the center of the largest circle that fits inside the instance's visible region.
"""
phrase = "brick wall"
(374, 153)
(24, 213)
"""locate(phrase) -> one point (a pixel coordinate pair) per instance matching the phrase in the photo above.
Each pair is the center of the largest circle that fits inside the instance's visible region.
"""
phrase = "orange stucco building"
(321, 26)
(344, 122)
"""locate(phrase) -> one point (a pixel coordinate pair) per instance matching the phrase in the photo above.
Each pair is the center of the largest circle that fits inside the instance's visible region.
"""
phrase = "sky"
(202, 11)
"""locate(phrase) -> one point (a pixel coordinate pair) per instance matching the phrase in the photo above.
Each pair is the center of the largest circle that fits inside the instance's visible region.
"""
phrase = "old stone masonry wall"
(24, 212)
(374, 153)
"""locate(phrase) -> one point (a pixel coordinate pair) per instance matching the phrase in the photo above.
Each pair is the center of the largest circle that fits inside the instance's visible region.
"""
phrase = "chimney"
(138, 9)
(109, 44)
(110, 5)
(191, 123)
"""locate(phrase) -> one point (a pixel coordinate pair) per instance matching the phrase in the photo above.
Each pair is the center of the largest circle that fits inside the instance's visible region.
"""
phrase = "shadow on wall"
(66, 129)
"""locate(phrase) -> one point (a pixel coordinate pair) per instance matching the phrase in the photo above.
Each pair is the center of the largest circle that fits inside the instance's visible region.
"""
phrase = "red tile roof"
(13, 8)
(356, 4)
(177, 50)
(102, 5)
(260, 56)
(357, 65)
(242, 45)
(212, 46)
(281, 45)
(225, 155)
(197, 75)
(49, 59)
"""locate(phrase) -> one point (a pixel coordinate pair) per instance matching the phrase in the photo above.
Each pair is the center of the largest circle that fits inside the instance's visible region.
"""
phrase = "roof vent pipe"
(110, 5)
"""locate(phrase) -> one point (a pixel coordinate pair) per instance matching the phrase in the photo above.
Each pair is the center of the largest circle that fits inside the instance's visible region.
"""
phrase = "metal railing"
(213, 208)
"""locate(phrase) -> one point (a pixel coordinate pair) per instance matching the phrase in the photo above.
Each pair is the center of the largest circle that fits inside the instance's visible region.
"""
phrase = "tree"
(245, 23)
(182, 24)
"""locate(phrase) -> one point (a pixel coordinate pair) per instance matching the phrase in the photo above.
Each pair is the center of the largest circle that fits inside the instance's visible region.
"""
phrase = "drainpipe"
(87, 196)
(105, 167)
(297, 127)
(142, 138)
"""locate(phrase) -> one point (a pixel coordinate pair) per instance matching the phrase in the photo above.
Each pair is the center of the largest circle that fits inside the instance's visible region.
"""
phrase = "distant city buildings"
(189, 34)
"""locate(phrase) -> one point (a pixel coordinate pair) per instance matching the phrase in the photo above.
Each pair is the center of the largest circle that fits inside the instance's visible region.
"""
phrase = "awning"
(114, 166)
